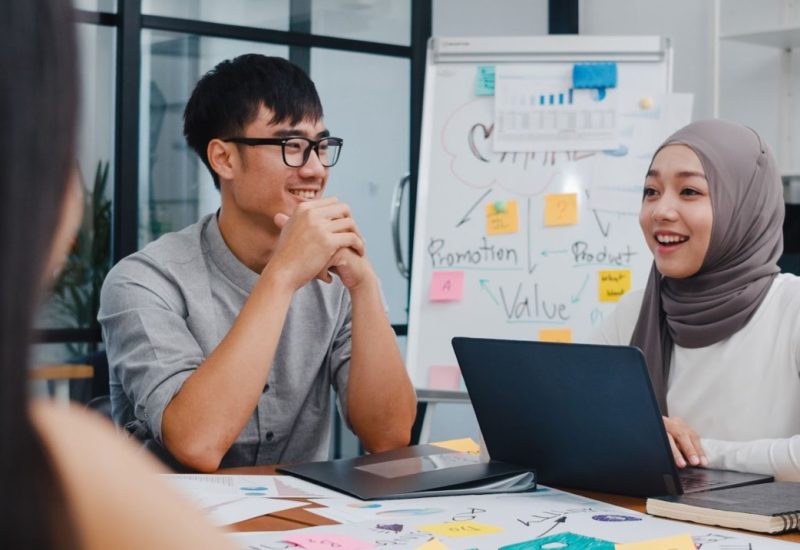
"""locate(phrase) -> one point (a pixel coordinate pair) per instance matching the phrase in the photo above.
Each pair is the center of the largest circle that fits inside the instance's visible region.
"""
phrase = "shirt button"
(266, 388)
(269, 436)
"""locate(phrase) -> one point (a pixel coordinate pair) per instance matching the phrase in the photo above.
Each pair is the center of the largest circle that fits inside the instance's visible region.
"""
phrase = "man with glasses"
(225, 338)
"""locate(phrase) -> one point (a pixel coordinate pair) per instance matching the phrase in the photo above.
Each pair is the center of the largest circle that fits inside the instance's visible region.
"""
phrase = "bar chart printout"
(547, 114)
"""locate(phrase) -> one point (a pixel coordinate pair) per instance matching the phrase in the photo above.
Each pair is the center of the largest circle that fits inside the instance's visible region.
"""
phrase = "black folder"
(417, 471)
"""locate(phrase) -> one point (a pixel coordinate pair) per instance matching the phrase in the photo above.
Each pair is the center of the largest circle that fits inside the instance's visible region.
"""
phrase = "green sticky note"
(484, 81)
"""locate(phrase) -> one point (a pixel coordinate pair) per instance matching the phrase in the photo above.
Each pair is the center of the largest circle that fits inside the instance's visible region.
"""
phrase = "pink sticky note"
(444, 377)
(322, 541)
(446, 286)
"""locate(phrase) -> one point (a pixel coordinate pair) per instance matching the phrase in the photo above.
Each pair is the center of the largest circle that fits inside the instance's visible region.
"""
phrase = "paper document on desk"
(226, 502)
(249, 486)
(247, 508)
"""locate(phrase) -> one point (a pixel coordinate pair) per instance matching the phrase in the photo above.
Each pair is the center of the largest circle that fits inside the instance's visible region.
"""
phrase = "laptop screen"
(583, 416)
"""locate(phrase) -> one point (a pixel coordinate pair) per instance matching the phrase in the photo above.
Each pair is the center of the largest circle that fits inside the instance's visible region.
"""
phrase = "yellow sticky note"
(433, 544)
(460, 529)
(502, 217)
(679, 542)
(561, 209)
(466, 445)
(555, 335)
(613, 283)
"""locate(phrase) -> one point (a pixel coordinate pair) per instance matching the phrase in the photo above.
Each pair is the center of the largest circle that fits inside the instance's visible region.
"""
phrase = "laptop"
(583, 416)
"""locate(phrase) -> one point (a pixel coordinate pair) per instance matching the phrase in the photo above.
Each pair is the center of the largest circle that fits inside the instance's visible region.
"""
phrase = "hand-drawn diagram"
(517, 521)
(466, 140)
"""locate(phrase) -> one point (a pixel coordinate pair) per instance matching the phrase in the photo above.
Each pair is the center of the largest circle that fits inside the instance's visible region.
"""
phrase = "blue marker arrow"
(575, 298)
(548, 252)
(485, 286)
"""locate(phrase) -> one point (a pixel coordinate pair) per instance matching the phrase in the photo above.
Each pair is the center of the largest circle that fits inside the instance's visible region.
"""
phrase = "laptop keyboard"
(694, 481)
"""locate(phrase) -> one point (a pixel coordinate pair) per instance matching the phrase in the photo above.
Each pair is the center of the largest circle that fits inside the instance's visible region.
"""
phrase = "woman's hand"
(685, 443)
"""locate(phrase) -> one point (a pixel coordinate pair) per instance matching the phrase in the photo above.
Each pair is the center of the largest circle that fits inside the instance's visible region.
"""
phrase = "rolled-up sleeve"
(151, 350)
(340, 354)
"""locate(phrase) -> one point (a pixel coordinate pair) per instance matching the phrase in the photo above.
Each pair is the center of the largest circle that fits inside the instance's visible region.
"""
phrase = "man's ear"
(222, 157)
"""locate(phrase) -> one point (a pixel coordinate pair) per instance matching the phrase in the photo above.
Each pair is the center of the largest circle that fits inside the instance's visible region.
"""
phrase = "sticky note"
(613, 284)
(561, 209)
(446, 286)
(679, 542)
(465, 445)
(595, 75)
(460, 529)
(322, 541)
(502, 217)
(646, 103)
(562, 541)
(444, 377)
(433, 544)
(484, 81)
(555, 335)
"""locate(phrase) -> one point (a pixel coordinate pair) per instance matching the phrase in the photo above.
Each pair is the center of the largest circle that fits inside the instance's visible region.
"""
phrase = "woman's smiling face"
(676, 215)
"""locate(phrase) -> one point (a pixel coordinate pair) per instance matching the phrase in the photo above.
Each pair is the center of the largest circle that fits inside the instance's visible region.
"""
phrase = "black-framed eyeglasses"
(297, 150)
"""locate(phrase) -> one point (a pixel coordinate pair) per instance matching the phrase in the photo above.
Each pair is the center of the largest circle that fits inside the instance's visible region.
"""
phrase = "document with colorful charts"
(494, 521)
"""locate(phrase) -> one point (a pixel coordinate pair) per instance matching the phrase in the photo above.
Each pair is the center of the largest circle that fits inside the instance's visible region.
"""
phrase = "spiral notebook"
(766, 507)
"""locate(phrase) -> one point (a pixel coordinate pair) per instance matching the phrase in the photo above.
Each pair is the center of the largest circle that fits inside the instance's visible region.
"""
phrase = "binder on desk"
(417, 471)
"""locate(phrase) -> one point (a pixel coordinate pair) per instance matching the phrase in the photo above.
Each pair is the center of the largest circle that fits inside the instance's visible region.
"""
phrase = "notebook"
(766, 507)
(583, 416)
(416, 471)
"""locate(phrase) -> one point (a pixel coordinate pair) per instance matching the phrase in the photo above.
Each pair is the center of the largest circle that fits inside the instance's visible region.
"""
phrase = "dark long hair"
(38, 102)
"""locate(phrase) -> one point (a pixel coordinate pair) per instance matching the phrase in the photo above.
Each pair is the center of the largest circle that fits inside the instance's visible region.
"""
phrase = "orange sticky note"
(612, 284)
(555, 335)
(446, 286)
(465, 445)
(432, 544)
(460, 529)
(444, 377)
(679, 542)
(502, 217)
(561, 209)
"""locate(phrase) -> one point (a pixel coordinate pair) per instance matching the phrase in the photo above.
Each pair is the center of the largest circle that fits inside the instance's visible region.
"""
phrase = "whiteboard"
(535, 280)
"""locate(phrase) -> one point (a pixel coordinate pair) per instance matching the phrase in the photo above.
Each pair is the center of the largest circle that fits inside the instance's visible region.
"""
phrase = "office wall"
(750, 75)
(688, 23)
(484, 18)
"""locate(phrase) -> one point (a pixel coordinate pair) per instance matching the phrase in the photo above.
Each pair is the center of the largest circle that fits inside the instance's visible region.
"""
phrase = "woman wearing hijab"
(69, 481)
(718, 323)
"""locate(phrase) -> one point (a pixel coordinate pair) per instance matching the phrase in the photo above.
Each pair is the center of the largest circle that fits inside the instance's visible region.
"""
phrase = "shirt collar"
(216, 248)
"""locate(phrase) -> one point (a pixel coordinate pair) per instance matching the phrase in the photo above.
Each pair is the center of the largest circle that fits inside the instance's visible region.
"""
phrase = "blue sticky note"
(484, 81)
(595, 75)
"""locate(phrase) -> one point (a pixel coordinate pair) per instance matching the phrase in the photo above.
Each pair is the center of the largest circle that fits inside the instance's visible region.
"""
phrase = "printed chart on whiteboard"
(529, 190)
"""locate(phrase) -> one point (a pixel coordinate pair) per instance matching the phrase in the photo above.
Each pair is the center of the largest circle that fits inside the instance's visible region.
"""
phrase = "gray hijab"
(741, 262)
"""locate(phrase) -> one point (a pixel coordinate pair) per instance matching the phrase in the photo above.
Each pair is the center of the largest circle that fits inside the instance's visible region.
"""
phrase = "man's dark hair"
(229, 96)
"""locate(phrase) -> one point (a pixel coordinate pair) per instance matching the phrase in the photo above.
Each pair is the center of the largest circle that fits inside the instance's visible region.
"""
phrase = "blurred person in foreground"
(69, 481)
